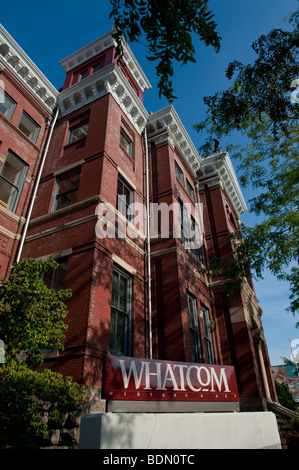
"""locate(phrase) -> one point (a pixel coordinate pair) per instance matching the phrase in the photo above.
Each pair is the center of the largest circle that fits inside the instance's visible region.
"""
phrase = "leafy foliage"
(32, 402)
(31, 318)
(167, 28)
(258, 106)
(285, 397)
(31, 313)
(233, 268)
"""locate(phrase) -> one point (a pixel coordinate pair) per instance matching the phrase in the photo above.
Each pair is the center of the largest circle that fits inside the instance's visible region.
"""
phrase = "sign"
(128, 378)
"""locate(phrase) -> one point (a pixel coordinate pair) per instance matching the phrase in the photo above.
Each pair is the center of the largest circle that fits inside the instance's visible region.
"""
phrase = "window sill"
(11, 215)
(64, 210)
(131, 157)
(79, 142)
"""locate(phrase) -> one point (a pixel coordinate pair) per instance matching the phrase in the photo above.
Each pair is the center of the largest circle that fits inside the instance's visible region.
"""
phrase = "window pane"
(58, 275)
(194, 330)
(207, 335)
(191, 313)
(11, 181)
(112, 330)
(67, 192)
(123, 294)
(66, 199)
(120, 333)
(29, 127)
(119, 336)
(206, 323)
(179, 173)
(74, 180)
(8, 194)
(115, 289)
(63, 185)
(69, 183)
(84, 74)
(8, 106)
(124, 198)
(13, 169)
(190, 190)
(126, 142)
(78, 132)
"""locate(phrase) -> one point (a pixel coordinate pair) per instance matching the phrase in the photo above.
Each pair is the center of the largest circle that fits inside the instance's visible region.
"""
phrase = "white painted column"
(263, 370)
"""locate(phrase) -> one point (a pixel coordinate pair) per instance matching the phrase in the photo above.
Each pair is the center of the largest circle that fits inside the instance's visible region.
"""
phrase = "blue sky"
(48, 32)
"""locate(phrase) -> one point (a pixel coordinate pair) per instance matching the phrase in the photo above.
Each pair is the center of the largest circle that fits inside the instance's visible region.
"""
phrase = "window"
(97, 68)
(67, 190)
(78, 132)
(7, 104)
(11, 181)
(179, 173)
(125, 196)
(120, 322)
(55, 278)
(84, 74)
(194, 330)
(126, 142)
(207, 335)
(184, 222)
(190, 190)
(99, 65)
(29, 127)
(195, 239)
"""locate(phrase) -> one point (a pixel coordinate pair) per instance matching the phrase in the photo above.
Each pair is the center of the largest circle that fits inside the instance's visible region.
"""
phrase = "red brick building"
(96, 168)
(27, 100)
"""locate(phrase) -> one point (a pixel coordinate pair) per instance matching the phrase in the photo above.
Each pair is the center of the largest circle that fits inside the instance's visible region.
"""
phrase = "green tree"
(31, 318)
(257, 109)
(285, 397)
(167, 27)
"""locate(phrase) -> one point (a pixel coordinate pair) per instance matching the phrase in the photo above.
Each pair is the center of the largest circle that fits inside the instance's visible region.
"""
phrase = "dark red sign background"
(128, 378)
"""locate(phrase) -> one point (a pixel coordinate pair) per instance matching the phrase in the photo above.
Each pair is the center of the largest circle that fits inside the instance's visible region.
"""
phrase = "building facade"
(27, 100)
(110, 165)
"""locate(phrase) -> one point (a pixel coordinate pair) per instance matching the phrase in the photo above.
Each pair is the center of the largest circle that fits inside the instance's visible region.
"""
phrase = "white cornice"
(168, 120)
(94, 48)
(220, 164)
(19, 63)
(112, 80)
(87, 52)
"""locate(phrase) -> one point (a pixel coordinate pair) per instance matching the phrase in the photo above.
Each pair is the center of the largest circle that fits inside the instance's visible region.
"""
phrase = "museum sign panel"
(130, 379)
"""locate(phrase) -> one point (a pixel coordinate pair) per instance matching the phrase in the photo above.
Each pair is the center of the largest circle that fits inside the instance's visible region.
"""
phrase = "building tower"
(27, 100)
(95, 169)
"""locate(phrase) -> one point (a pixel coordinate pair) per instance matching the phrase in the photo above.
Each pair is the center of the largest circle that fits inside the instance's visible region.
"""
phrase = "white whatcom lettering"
(219, 382)
(170, 378)
(199, 377)
(152, 377)
(181, 368)
(188, 378)
(149, 374)
(126, 377)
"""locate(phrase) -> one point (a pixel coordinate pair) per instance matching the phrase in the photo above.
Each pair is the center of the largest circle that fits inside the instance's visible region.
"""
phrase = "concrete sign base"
(256, 430)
